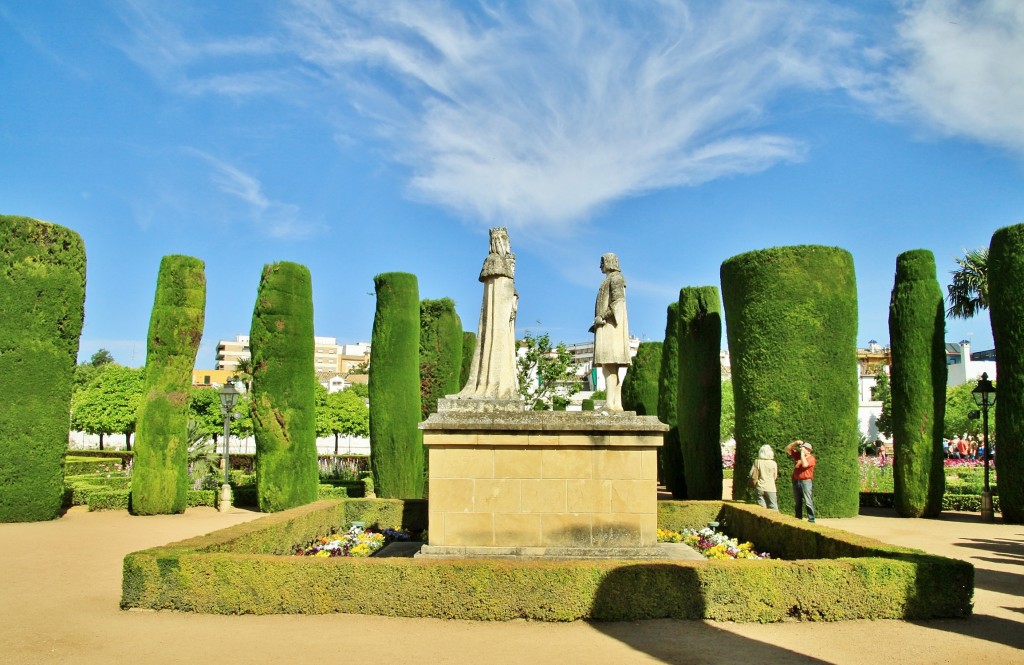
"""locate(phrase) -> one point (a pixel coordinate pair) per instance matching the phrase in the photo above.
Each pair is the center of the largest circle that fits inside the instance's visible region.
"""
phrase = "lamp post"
(228, 399)
(985, 397)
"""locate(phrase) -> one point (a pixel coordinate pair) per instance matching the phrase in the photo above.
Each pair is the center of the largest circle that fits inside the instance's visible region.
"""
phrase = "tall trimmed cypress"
(917, 326)
(699, 395)
(283, 388)
(468, 347)
(672, 472)
(640, 386)
(160, 468)
(441, 345)
(791, 315)
(1006, 309)
(396, 450)
(42, 297)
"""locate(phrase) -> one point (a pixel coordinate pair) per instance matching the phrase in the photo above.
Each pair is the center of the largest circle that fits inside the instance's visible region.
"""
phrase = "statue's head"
(499, 241)
(610, 262)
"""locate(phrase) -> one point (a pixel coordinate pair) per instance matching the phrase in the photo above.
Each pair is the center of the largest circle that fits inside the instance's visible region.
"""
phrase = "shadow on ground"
(679, 641)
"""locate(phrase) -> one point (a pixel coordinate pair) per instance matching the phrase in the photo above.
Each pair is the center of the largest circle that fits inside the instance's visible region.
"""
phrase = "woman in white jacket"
(763, 475)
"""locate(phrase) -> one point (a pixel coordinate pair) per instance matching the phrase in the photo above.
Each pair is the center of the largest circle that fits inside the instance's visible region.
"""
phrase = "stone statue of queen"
(492, 376)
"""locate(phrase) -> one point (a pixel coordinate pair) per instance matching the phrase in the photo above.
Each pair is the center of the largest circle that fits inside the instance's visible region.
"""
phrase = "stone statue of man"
(611, 329)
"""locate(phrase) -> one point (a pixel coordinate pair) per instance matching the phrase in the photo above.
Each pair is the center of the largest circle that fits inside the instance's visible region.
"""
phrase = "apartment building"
(329, 356)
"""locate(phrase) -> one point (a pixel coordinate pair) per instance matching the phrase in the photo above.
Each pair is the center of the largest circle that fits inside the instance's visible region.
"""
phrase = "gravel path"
(61, 584)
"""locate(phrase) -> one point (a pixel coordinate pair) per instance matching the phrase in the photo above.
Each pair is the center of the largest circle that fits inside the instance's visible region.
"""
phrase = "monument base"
(514, 483)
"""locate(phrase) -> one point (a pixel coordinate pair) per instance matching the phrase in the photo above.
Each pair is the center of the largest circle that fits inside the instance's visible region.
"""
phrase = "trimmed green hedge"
(121, 499)
(699, 395)
(917, 328)
(441, 352)
(75, 466)
(1006, 307)
(240, 570)
(468, 348)
(671, 455)
(396, 448)
(160, 472)
(283, 388)
(42, 296)
(791, 317)
(640, 386)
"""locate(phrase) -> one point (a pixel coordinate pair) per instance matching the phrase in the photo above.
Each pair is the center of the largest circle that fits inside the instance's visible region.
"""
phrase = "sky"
(360, 138)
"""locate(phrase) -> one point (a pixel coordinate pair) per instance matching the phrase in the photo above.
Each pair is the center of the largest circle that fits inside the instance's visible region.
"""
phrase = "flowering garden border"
(824, 574)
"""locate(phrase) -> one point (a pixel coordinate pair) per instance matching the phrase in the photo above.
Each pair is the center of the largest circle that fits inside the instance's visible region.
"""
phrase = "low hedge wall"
(76, 466)
(242, 570)
(119, 499)
(123, 456)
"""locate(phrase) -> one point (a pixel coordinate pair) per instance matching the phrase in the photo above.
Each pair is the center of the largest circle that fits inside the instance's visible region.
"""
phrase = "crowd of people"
(966, 447)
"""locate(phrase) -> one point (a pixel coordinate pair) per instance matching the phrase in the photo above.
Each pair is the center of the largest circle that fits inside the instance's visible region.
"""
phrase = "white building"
(962, 365)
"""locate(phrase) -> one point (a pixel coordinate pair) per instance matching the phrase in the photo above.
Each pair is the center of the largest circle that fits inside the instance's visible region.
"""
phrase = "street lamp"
(228, 399)
(985, 397)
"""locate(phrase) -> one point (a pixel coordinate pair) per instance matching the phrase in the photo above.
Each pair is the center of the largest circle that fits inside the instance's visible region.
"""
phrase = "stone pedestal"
(504, 482)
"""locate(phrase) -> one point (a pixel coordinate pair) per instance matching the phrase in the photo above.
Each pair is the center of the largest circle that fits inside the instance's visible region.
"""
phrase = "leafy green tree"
(160, 473)
(204, 412)
(42, 296)
(441, 344)
(968, 292)
(110, 403)
(100, 358)
(360, 389)
(728, 421)
(544, 370)
(959, 405)
(883, 393)
(343, 412)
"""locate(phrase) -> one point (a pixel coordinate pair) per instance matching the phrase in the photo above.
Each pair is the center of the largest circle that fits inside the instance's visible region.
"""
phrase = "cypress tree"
(640, 386)
(396, 450)
(668, 384)
(1006, 308)
(917, 327)
(791, 315)
(441, 349)
(160, 469)
(42, 297)
(284, 388)
(468, 347)
(699, 396)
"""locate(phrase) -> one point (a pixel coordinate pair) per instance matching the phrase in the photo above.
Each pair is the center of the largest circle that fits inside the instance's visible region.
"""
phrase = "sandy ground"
(60, 586)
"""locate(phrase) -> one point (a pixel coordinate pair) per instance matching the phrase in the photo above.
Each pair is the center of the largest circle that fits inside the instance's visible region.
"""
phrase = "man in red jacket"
(803, 478)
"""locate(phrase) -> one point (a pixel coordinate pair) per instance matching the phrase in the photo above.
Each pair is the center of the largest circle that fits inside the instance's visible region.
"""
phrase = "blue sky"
(366, 137)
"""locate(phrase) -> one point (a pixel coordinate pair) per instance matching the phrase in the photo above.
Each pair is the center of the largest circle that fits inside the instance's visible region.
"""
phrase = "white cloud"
(273, 218)
(531, 114)
(539, 116)
(962, 68)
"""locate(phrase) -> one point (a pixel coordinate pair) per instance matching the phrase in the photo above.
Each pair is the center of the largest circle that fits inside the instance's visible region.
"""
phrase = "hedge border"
(239, 570)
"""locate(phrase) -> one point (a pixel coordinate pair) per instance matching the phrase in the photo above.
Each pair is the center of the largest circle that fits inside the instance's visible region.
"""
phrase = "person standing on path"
(803, 478)
(764, 474)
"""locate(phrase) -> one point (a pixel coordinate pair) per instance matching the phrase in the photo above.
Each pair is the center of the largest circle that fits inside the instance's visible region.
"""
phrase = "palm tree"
(968, 294)
(244, 369)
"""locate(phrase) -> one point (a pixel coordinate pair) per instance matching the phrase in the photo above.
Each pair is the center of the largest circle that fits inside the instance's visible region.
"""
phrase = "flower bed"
(356, 542)
(712, 544)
